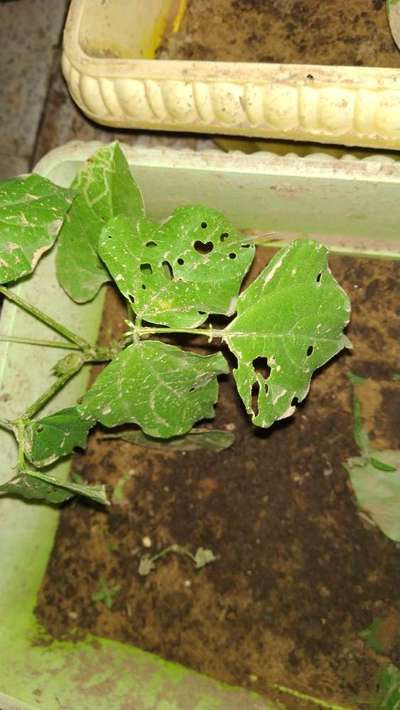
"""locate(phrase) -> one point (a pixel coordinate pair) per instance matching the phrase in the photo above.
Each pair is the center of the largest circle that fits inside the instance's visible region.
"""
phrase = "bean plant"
(175, 277)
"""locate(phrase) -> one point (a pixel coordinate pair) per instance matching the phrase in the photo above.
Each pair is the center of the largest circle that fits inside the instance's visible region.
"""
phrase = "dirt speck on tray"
(299, 572)
(341, 32)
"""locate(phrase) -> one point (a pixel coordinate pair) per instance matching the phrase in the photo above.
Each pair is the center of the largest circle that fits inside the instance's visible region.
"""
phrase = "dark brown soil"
(300, 573)
(342, 32)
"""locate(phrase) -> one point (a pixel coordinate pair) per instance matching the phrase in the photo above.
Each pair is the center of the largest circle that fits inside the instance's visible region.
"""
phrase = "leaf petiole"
(46, 319)
(46, 396)
(44, 343)
(5, 424)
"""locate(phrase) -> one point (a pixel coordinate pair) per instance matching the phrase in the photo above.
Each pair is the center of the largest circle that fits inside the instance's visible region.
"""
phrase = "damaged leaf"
(105, 188)
(32, 210)
(160, 387)
(289, 322)
(177, 273)
(56, 435)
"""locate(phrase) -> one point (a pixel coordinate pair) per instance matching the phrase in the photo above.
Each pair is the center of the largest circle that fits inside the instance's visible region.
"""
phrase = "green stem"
(5, 424)
(44, 318)
(309, 698)
(44, 343)
(41, 401)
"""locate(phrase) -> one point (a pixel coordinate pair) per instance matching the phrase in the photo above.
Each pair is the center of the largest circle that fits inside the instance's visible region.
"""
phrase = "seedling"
(174, 277)
(106, 594)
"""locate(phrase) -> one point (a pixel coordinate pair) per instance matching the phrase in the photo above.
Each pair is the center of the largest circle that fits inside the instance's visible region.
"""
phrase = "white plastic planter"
(352, 205)
(103, 62)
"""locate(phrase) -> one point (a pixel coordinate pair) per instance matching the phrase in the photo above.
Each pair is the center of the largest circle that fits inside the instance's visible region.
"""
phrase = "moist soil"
(300, 571)
(341, 32)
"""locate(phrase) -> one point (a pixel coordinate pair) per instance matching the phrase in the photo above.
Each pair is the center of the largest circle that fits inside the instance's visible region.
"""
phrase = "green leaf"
(289, 323)
(211, 439)
(106, 188)
(56, 435)
(161, 388)
(30, 488)
(178, 273)
(377, 488)
(32, 210)
(35, 485)
(388, 689)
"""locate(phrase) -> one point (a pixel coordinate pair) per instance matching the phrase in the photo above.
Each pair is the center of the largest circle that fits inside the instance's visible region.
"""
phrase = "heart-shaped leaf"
(32, 210)
(177, 273)
(161, 388)
(289, 322)
(56, 435)
(105, 188)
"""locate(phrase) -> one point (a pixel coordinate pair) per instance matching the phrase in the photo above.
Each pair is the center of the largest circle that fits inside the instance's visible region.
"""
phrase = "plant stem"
(44, 343)
(40, 402)
(309, 698)
(44, 318)
(5, 424)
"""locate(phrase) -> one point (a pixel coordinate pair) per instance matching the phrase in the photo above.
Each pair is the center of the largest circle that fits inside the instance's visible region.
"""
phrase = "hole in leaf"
(204, 225)
(143, 287)
(310, 350)
(294, 402)
(254, 397)
(109, 236)
(150, 244)
(146, 268)
(202, 313)
(224, 236)
(245, 246)
(261, 367)
(203, 248)
(39, 428)
(318, 279)
(168, 270)
(180, 261)
(232, 255)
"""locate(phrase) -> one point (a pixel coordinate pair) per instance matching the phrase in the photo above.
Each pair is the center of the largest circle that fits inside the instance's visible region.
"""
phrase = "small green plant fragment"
(161, 388)
(388, 697)
(106, 594)
(210, 439)
(118, 496)
(32, 210)
(56, 435)
(178, 273)
(289, 323)
(105, 188)
(201, 558)
(375, 478)
(369, 635)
